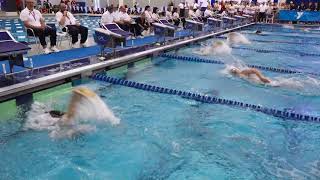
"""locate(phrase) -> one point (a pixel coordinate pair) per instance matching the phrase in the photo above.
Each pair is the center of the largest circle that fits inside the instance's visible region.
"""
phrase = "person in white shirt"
(147, 15)
(67, 20)
(262, 12)
(191, 13)
(203, 5)
(107, 18)
(208, 13)
(130, 24)
(155, 15)
(168, 16)
(33, 19)
(175, 16)
(195, 6)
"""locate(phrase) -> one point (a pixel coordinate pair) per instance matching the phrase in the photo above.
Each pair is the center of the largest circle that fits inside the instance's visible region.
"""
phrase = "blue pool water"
(168, 137)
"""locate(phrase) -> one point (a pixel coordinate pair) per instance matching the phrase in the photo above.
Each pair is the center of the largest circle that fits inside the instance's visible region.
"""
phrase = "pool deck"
(30, 81)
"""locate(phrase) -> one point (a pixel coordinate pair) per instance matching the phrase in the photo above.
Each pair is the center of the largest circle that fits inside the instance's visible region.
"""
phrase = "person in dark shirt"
(292, 6)
(302, 7)
(312, 6)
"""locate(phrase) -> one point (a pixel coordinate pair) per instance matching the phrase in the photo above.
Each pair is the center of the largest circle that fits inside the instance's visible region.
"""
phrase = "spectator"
(175, 16)
(107, 18)
(302, 7)
(98, 11)
(33, 19)
(155, 16)
(128, 21)
(88, 10)
(65, 2)
(168, 15)
(73, 3)
(292, 6)
(48, 6)
(203, 6)
(117, 18)
(262, 12)
(147, 15)
(66, 19)
(312, 6)
(19, 6)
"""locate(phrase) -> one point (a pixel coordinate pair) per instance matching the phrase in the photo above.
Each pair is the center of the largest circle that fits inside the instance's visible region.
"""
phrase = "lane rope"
(210, 61)
(207, 99)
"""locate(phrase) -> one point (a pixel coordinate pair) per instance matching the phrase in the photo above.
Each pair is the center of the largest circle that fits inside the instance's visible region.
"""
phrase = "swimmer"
(66, 118)
(248, 72)
(217, 48)
(258, 32)
(237, 38)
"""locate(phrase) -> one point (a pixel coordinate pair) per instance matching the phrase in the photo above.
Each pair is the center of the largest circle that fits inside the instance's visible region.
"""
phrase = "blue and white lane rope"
(210, 61)
(207, 99)
(273, 41)
(277, 51)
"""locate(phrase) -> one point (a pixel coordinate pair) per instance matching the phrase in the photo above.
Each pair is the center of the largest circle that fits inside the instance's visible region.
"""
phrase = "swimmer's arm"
(262, 78)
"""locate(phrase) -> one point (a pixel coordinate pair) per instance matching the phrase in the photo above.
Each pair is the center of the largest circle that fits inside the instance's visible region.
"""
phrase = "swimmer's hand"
(265, 80)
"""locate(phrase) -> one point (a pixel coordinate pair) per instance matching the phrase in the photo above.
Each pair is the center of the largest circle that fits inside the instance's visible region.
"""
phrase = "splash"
(219, 48)
(87, 112)
(288, 26)
(304, 84)
(237, 38)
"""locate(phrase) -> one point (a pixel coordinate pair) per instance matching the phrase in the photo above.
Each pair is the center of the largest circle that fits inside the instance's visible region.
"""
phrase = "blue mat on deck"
(67, 55)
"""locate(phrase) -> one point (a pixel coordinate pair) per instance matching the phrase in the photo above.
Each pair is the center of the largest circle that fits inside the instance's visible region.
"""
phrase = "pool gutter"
(34, 85)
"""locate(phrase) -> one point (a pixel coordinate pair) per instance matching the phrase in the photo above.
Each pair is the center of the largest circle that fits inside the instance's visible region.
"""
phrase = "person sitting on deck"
(67, 20)
(33, 19)
(107, 16)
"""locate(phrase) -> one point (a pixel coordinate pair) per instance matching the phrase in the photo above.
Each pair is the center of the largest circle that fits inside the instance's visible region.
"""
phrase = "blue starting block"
(11, 50)
(162, 31)
(194, 26)
(108, 39)
(216, 24)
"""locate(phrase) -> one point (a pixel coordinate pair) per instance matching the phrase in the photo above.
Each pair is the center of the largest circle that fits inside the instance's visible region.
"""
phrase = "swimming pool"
(164, 136)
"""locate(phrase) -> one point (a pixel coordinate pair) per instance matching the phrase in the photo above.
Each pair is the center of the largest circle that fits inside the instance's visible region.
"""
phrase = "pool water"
(164, 136)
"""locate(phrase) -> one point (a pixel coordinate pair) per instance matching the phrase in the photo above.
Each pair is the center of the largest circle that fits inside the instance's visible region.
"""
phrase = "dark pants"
(75, 30)
(261, 16)
(136, 29)
(176, 22)
(125, 27)
(52, 32)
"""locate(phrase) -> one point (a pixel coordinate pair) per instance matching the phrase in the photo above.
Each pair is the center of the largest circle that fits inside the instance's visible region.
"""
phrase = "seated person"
(98, 11)
(118, 19)
(208, 13)
(148, 15)
(33, 19)
(66, 19)
(127, 20)
(155, 16)
(88, 10)
(175, 17)
(107, 16)
(168, 15)
(247, 74)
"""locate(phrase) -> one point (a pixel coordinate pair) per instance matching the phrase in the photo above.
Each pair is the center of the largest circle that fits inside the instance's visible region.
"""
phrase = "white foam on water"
(234, 38)
(288, 26)
(304, 84)
(89, 111)
(219, 48)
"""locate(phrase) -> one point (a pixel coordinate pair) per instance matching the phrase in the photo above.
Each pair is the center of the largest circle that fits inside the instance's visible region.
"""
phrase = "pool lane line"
(211, 61)
(277, 51)
(273, 41)
(285, 115)
(287, 36)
